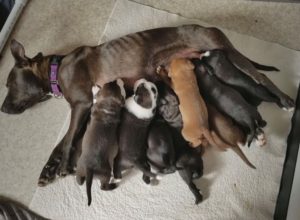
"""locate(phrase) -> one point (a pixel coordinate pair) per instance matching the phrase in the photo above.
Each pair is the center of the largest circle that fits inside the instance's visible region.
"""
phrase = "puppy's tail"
(89, 181)
(263, 67)
(144, 168)
(241, 154)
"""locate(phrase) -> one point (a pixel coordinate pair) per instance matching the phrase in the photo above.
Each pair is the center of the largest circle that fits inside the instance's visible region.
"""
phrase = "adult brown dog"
(99, 144)
(130, 57)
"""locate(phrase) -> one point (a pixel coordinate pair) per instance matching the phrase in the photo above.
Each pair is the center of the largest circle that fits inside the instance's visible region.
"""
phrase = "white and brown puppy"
(136, 118)
(99, 144)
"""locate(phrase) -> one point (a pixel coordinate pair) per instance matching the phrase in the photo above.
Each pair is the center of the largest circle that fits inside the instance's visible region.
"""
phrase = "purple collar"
(53, 76)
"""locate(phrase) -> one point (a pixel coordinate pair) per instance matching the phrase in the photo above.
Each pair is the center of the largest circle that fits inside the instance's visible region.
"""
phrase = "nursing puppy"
(229, 132)
(229, 74)
(160, 147)
(168, 151)
(136, 118)
(229, 101)
(99, 144)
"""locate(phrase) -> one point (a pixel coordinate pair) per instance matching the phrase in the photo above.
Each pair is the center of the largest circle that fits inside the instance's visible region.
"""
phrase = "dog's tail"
(263, 67)
(143, 167)
(221, 144)
(89, 181)
(241, 154)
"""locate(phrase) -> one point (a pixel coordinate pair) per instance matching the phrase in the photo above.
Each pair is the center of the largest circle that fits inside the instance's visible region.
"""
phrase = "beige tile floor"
(57, 26)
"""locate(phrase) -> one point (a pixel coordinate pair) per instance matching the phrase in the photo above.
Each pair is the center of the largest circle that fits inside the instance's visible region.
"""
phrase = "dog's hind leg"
(187, 177)
(243, 64)
(48, 173)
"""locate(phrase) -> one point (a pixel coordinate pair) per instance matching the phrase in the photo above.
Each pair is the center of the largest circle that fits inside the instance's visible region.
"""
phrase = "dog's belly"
(138, 55)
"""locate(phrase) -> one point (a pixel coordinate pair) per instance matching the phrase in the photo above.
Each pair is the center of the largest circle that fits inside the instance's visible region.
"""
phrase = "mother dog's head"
(25, 83)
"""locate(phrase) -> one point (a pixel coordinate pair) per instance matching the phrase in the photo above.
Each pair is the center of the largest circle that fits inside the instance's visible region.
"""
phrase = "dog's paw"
(109, 187)
(146, 179)
(261, 140)
(287, 104)
(49, 171)
(199, 198)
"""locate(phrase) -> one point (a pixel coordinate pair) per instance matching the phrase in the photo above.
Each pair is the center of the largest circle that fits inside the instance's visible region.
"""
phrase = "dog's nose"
(4, 108)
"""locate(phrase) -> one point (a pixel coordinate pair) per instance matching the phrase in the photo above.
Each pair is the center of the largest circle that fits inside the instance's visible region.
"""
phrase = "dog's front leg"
(79, 114)
(55, 162)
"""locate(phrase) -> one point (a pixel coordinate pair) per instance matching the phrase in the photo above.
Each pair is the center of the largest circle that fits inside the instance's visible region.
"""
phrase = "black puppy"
(160, 151)
(136, 119)
(168, 106)
(229, 74)
(168, 151)
(99, 144)
(229, 101)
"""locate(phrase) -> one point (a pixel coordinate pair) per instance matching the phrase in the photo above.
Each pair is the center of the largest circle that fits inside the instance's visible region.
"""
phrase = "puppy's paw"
(286, 103)
(261, 139)
(109, 186)
(146, 179)
(199, 198)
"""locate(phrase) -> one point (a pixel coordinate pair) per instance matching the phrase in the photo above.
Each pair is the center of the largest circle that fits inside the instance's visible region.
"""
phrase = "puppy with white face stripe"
(99, 144)
(136, 118)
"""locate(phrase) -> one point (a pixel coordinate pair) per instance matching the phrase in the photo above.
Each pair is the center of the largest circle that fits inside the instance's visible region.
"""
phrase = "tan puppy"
(229, 132)
(192, 106)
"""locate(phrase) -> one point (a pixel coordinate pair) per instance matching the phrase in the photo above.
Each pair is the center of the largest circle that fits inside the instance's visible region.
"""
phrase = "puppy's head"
(168, 106)
(143, 102)
(25, 87)
(179, 66)
(111, 96)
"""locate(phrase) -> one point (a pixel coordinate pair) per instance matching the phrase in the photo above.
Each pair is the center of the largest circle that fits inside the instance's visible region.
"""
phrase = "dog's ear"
(38, 58)
(18, 52)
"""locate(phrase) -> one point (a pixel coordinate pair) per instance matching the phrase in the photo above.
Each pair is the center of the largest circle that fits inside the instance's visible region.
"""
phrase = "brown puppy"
(192, 106)
(229, 132)
(99, 144)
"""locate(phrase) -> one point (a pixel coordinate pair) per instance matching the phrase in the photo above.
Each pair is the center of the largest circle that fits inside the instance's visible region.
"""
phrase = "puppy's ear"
(18, 53)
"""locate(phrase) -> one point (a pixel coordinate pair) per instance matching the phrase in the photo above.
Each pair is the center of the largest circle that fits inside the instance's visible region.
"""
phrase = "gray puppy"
(99, 144)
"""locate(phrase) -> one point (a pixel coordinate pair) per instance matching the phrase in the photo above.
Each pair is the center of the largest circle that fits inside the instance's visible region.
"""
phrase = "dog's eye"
(153, 90)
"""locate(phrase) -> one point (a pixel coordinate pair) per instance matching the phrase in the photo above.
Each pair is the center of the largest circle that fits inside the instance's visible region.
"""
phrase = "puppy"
(168, 106)
(229, 74)
(136, 119)
(160, 147)
(229, 101)
(229, 132)
(192, 106)
(168, 151)
(99, 144)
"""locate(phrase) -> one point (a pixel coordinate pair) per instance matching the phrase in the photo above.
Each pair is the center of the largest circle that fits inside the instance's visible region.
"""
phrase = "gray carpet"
(59, 25)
